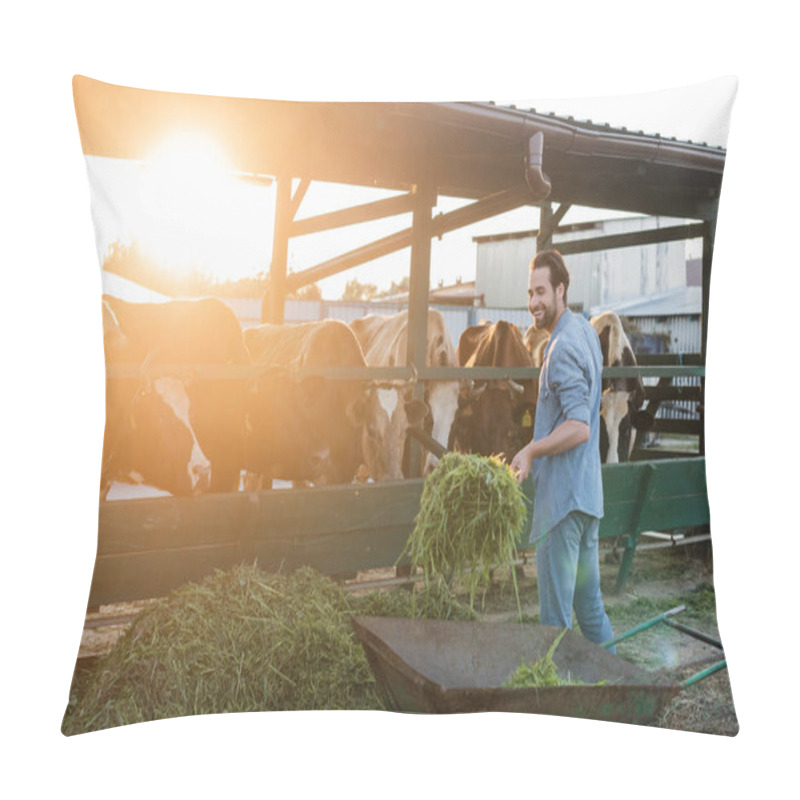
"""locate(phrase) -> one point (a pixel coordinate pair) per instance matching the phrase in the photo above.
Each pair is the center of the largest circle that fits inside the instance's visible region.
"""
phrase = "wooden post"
(708, 252)
(418, 290)
(272, 306)
(544, 241)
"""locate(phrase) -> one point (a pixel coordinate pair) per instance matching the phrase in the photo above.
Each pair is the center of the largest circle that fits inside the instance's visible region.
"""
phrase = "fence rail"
(148, 547)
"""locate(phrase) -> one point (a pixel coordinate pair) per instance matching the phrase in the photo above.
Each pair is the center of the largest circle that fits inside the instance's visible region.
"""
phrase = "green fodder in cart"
(543, 672)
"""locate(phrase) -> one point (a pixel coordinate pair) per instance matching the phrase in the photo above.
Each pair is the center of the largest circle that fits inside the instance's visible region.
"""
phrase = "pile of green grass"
(543, 672)
(244, 640)
(471, 518)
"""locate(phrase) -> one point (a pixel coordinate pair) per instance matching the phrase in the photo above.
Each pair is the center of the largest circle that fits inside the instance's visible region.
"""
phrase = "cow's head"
(163, 447)
(492, 419)
(621, 411)
(442, 397)
(390, 411)
(302, 430)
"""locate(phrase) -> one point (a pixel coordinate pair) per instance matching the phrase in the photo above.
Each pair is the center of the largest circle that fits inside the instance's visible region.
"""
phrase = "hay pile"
(471, 518)
(243, 640)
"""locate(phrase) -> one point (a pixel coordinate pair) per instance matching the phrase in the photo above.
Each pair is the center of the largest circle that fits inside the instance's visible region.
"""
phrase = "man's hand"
(521, 464)
(567, 435)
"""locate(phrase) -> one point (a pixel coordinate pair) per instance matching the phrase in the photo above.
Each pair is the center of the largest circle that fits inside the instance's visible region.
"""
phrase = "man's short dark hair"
(558, 269)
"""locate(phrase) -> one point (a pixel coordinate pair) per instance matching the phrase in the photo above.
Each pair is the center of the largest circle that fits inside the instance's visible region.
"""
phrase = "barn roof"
(468, 150)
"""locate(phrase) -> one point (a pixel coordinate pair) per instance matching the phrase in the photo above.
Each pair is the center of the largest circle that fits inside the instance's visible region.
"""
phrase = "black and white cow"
(165, 426)
(621, 404)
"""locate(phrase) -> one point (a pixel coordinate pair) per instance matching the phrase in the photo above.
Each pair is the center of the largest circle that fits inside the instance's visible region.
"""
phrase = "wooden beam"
(485, 208)
(544, 238)
(549, 223)
(655, 236)
(297, 197)
(353, 258)
(418, 290)
(379, 209)
(272, 306)
(708, 253)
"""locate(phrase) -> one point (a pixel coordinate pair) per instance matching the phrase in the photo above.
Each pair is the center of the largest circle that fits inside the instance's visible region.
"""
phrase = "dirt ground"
(661, 579)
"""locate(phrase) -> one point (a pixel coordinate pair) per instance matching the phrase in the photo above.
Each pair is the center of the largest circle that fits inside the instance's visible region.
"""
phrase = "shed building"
(596, 278)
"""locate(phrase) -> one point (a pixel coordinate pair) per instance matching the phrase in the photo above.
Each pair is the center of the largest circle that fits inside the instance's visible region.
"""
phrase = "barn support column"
(272, 305)
(548, 223)
(544, 239)
(708, 252)
(418, 289)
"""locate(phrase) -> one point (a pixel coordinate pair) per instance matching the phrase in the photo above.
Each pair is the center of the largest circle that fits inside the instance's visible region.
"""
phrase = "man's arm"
(567, 435)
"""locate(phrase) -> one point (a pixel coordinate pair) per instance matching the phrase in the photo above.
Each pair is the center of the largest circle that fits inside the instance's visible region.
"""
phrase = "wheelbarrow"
(451, 667)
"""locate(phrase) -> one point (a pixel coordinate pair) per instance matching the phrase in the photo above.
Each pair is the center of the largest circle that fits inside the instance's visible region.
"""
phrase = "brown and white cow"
(494, 417)
(620, 405)
(536, 340)
(310, 428)
(384, 340)
(167, 427)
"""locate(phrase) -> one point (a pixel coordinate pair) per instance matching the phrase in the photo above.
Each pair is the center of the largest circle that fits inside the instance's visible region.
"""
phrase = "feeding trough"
(448, 667)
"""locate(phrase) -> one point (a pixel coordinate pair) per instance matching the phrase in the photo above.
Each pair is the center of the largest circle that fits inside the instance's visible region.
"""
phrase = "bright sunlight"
(194, 209)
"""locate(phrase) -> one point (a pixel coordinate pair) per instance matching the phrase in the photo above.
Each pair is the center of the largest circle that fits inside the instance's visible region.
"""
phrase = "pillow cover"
(257, 482)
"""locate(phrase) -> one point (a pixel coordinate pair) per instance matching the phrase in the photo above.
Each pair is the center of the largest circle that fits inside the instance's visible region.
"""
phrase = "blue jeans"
(568, 574)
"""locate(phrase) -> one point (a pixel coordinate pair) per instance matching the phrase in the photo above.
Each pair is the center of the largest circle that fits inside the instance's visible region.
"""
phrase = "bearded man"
(564, 457)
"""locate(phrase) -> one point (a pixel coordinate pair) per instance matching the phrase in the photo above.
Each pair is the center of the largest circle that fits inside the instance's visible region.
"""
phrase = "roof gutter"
(573, 139)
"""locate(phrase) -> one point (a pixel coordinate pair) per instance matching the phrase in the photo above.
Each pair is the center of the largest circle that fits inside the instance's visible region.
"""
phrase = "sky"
(186, 209)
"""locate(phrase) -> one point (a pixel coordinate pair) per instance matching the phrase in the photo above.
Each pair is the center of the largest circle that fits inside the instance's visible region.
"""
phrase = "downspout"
(537, 181)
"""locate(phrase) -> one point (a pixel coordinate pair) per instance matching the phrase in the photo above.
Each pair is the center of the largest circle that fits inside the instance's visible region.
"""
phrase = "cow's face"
(389, 413)
(163, 446)
(289, 432)
(492, 422)
(620, 417)
(442, 398)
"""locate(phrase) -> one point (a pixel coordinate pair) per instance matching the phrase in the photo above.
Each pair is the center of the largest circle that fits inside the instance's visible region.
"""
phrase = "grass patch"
(659, 645)
(244, 640)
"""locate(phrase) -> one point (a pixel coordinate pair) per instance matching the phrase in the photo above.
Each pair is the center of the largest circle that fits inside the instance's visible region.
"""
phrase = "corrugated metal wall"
(599, 278)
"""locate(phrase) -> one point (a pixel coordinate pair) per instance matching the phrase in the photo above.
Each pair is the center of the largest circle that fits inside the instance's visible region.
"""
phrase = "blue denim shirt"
(569, 388)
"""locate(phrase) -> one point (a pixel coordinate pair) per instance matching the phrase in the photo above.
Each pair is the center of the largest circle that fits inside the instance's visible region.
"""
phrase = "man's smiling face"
(545, 303)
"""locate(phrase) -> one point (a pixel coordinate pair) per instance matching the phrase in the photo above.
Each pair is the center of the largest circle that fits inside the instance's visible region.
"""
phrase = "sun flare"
(194, 206)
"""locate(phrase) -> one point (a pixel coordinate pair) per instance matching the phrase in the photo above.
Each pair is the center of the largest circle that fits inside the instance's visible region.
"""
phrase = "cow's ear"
(416, 411)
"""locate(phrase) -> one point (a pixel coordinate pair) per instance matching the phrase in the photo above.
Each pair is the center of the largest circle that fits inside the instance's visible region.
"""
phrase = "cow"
(307, 429)
(494, 418)
(620, 405)
(384, 340)
(167, 427)
(536, 340)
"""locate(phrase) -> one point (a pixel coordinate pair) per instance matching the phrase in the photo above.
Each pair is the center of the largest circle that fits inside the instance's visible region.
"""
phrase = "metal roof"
(685, 300)
(469, 150)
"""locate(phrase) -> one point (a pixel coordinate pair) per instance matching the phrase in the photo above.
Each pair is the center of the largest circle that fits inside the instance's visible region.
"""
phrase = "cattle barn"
(493, 157)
